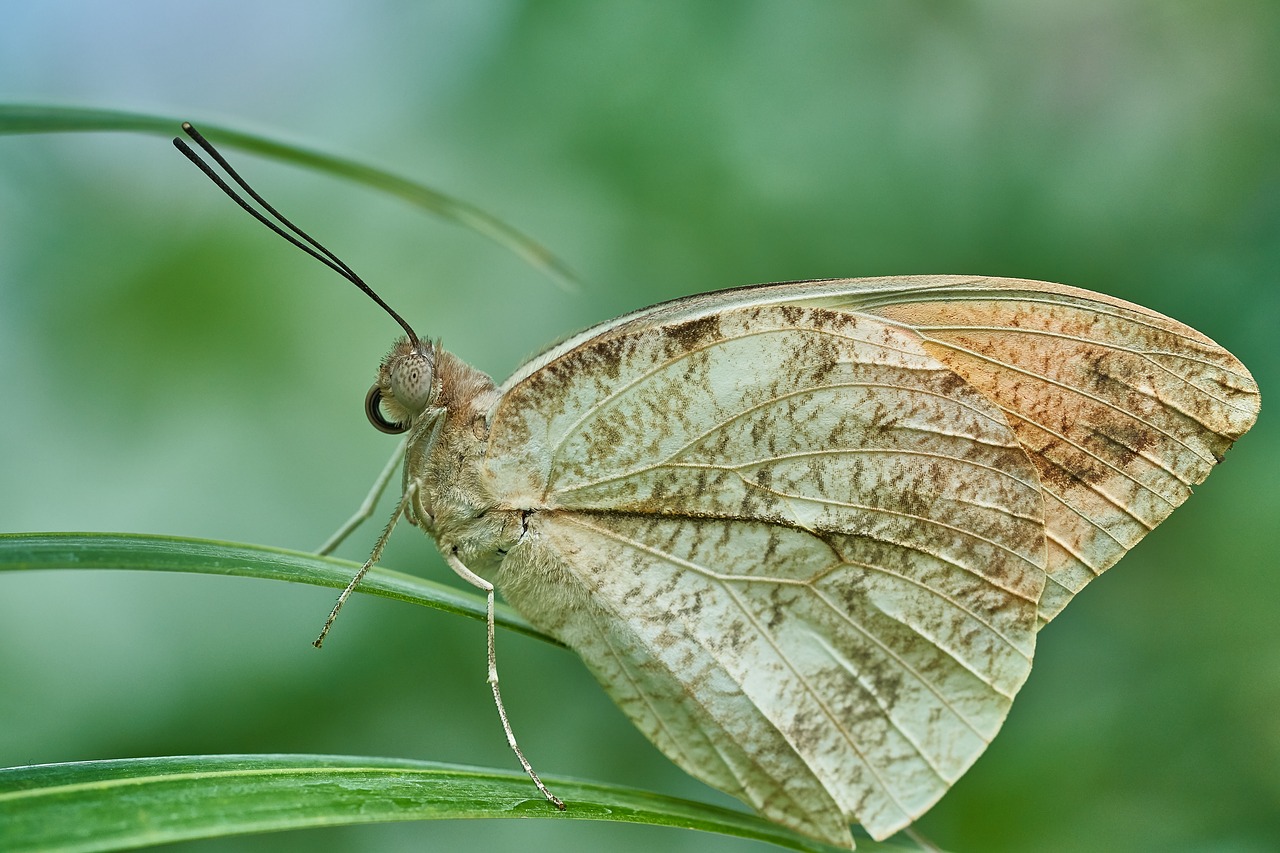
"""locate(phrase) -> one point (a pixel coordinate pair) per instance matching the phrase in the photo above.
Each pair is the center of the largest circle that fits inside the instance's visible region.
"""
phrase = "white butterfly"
(805, 534)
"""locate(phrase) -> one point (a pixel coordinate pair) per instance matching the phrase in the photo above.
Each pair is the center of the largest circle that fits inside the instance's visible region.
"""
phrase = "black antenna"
(307, 243)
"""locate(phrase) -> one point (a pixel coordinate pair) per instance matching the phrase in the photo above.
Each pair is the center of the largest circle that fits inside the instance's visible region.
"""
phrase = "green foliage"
(115, 805)
(36, 118)
(175, 554)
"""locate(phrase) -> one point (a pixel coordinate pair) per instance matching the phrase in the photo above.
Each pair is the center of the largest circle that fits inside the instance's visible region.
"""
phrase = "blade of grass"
(36, 118)
(121, 804)
(27, 551)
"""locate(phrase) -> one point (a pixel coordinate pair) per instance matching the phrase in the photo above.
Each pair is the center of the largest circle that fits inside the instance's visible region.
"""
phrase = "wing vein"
(1105, 403)
(835, 451)
(897, 514)
(1145, 355)
(1172, 504)
(930, 294)
(937, 593)
(643, 376)
(726, 579)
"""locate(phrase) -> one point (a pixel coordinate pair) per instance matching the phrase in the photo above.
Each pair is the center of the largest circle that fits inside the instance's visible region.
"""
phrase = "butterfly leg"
(479, 582)
(373, 558)
(370, 501)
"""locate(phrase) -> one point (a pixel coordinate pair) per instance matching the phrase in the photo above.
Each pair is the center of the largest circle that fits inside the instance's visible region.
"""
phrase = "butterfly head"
(406, 386)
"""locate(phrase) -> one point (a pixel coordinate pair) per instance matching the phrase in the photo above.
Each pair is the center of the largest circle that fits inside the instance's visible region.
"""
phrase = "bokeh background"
(168, 366)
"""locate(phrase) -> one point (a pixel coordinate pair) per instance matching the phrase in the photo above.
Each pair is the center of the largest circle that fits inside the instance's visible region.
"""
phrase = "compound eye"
(411, 380)
(373, 409)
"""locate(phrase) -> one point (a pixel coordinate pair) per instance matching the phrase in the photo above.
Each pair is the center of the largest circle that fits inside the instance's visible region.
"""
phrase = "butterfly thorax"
(443, 461)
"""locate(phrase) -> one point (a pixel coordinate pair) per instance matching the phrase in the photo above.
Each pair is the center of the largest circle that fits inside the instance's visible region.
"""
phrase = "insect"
(805, 534)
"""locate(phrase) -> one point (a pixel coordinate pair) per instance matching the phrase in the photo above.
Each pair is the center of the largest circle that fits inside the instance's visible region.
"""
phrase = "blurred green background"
(168, 366)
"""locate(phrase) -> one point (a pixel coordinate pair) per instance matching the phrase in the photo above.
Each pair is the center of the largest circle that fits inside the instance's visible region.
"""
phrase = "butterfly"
(805, 534)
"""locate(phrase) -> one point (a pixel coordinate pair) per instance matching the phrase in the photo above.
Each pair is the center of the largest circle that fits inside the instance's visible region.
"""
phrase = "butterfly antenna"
(289, 231)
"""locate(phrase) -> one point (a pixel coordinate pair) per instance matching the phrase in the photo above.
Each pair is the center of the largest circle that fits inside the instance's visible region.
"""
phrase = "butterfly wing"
(803, 533)
(1121, 409)
(801, 553)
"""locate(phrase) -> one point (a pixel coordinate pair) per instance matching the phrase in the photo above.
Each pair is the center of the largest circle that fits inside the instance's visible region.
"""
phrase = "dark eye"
(373, 409)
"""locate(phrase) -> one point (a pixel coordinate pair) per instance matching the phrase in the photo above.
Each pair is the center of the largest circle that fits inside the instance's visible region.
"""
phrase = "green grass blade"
(120, 804)
(26, 551)
(35, 118)
(126, 803)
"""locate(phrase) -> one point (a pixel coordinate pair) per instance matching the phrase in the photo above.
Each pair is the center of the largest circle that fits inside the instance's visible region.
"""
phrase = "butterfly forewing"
(1120, 408)
(801, 552)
